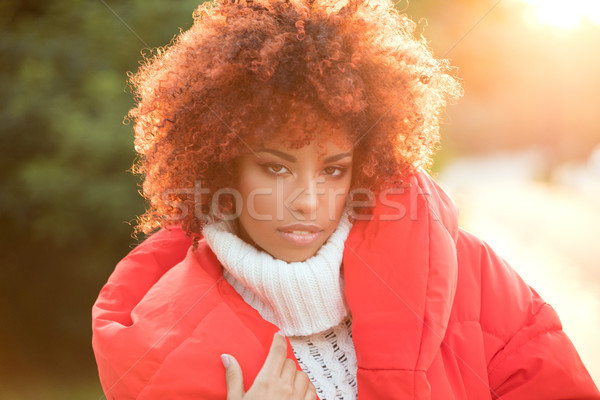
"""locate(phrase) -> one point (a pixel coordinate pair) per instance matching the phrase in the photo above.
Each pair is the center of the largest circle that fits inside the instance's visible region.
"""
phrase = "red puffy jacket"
(436, 315)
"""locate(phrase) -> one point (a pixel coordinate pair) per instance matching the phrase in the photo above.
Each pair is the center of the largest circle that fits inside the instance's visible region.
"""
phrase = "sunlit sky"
(563, 14)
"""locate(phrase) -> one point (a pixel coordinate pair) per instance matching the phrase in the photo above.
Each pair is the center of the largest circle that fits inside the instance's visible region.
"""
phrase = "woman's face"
(292, 200)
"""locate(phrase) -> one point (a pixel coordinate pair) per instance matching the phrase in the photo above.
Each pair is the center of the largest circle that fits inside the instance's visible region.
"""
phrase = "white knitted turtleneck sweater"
(304, 299)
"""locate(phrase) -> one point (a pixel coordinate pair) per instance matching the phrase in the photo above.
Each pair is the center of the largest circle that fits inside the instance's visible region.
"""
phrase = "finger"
(288, 372)
(234, 377)
(311, 393)
(276, 357)
(301, 382)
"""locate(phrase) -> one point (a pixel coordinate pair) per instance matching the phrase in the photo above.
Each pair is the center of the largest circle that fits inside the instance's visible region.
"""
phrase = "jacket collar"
(401, 274)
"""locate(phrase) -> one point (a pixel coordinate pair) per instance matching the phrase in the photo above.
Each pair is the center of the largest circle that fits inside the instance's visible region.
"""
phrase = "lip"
(300, 227)
(301, 239)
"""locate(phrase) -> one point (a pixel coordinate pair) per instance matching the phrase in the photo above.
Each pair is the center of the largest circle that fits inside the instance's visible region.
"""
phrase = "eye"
(276, 169)
(334, 171)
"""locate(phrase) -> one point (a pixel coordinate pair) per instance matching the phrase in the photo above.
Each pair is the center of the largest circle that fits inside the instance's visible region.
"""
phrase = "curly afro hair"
(247, 69)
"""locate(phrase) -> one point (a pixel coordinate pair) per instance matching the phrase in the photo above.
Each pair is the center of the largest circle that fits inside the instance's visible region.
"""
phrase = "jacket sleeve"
(530, 356)
(132, 278)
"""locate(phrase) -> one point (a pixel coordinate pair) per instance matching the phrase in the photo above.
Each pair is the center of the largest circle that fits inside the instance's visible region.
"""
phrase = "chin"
(296, 259)
(297, 255)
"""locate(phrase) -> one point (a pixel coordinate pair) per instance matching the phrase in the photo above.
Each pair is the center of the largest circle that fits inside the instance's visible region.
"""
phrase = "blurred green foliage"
(66, 196)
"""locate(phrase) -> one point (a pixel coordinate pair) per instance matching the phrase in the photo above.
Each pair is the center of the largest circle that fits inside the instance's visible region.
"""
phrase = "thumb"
(234, 377)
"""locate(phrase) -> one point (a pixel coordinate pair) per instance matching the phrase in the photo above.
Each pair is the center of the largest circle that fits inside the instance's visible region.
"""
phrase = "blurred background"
(520, 156)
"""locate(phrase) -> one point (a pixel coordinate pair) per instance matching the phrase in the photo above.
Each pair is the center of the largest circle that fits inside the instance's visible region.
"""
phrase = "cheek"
(344, 186)
(337, 194)
(254, 213)
(257, 193)
(264, 202)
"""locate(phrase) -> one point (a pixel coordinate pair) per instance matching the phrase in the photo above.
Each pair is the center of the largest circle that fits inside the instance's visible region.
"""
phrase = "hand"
(278, 378)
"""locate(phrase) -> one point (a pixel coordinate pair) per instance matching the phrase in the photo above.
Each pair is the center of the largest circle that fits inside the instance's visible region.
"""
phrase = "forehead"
(323, 140)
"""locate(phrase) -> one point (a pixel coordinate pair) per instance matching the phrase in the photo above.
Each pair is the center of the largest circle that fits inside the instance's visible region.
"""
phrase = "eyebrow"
(291, 158)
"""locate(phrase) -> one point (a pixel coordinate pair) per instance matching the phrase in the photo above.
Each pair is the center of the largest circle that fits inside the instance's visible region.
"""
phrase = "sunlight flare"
(566, 15)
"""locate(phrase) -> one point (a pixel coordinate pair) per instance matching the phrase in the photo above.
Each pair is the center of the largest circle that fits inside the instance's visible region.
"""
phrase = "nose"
(307, 200)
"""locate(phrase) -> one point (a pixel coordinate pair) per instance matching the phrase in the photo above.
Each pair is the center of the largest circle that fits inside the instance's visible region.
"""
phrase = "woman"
(283, 147)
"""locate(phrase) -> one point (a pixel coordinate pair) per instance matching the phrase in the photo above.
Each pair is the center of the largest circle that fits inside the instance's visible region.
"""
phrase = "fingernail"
(225, 360)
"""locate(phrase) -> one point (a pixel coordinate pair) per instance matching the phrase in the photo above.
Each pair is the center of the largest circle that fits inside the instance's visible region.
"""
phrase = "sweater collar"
(301, 298)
